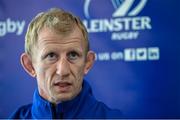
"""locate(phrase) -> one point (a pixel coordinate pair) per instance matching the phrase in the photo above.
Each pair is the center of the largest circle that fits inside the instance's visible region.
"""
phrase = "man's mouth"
(62, 86)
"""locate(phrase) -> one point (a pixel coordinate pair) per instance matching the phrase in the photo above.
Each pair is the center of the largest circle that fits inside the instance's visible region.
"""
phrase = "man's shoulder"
(99, 110)
(22, 112)
(107, 111)
(93, 108)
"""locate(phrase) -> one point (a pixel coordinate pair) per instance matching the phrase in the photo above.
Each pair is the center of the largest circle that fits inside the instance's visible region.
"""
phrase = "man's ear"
(26, 62)
(90, 58)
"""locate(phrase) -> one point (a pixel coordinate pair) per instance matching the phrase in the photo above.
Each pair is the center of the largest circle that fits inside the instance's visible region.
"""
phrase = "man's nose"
(63, 68)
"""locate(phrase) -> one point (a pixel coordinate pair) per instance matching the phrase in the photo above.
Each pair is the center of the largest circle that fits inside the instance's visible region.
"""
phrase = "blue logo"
(122, 7)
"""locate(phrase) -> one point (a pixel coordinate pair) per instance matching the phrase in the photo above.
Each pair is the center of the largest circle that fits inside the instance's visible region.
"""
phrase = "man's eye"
(51, 56)
(73, 55)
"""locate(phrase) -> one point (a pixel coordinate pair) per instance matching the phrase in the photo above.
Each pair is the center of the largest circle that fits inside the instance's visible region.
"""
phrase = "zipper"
(54, 112)
(53, 109)
(61, 115)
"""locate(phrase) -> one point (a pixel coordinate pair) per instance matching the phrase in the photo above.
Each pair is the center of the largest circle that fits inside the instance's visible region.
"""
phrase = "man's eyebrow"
(76, 49)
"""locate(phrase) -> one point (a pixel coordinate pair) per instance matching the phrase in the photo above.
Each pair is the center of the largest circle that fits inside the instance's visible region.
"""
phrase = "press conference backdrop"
(137, 68)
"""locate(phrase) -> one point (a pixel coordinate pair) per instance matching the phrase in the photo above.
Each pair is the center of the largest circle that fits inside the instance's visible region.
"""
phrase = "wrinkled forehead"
(50, 35)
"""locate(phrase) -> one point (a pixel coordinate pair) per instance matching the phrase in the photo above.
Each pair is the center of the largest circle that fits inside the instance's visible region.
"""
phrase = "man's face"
(59, 63)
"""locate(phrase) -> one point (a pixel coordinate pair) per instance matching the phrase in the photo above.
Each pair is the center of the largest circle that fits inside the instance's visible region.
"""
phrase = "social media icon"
(141, 54)
(153, 53)
(129, 54)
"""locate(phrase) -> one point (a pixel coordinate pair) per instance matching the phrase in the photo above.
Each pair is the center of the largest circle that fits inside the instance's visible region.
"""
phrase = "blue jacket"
(82, 106)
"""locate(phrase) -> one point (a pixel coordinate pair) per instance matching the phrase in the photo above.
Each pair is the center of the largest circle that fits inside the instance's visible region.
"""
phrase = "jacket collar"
(42, 108)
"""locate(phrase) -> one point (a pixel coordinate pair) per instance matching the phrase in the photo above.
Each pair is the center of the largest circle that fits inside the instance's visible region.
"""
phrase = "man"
(57, 54)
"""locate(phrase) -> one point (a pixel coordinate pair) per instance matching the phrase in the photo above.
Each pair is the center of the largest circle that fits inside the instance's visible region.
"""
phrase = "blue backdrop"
(137, 68)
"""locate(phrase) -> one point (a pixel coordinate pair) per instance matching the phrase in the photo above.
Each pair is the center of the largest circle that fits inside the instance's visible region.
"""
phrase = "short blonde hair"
(57, 19)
